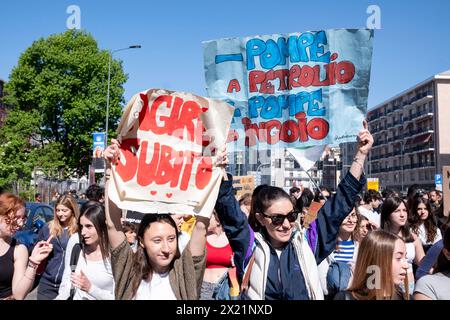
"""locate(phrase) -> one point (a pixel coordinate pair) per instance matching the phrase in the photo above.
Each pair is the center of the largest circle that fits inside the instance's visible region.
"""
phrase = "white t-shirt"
(373, 216)
(435, 286)
(99, 274)
(157, 289)
(423, 235)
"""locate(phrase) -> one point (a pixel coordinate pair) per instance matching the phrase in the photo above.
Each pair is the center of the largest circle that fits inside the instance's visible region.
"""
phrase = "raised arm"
(25, 268)
(112, 212)
(198, 238)
(365, 142)
(341, 204)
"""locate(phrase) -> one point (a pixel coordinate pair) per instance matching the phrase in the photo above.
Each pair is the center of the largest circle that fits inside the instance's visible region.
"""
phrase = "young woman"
(92, 278)
(422, 222)
(380, 269)
(61, 228)
(273, 253)
(336, 270)
(156, 270)
(219, 258)
(363, 227)
(394, 219)
(17, 270)
(436, 286)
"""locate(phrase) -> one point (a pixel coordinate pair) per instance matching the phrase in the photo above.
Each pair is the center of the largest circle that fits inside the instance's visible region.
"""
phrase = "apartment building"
(411, 132)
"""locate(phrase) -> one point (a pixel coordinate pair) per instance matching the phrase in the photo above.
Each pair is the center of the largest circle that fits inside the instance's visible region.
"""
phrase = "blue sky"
(412, 44)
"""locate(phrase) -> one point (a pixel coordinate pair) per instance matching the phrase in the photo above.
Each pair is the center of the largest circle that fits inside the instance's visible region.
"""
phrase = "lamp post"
(402, 160)
(109, 80)
(259, 167)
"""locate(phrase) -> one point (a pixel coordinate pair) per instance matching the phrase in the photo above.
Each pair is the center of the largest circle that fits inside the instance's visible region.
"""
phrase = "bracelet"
(32, 265)
(359, 163)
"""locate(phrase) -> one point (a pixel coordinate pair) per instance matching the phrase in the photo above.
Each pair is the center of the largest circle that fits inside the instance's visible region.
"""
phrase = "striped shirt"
(344, 251)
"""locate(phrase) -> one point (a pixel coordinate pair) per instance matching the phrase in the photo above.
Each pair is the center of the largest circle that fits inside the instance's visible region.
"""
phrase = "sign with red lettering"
(168, 141)
(293, 90)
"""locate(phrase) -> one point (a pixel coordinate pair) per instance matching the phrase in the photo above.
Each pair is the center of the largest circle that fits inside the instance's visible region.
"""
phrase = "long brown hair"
(95, 213)
(389, 206)
(376, 250)
(415, 220)
(55, 226)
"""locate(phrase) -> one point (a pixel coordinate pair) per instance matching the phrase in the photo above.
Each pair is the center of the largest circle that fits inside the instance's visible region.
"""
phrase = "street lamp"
(259, 167)
(109, 80)
(402, 160)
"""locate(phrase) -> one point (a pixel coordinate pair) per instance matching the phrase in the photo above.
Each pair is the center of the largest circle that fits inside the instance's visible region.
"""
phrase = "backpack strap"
(76, 250)
(74, 256)
(244, 286)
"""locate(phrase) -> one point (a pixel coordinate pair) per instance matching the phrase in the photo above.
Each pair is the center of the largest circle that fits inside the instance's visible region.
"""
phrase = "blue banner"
(99, 144)
(292, 90)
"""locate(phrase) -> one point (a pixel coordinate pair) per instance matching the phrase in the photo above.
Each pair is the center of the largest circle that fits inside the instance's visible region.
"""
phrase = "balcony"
(418, 131)
(422, 98)
(421, 148)
(419, 165)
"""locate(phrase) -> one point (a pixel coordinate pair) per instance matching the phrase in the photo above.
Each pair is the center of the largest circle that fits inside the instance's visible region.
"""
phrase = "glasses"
(278, 219)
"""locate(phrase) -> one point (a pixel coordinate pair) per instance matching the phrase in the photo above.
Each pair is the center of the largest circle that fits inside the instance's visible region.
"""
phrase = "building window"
(421, 175)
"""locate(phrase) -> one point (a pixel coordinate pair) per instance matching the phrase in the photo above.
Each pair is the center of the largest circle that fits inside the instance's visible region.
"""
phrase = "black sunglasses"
(277, 220)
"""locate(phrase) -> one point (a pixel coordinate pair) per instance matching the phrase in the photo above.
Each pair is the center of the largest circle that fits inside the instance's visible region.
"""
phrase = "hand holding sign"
(112, 153)
(164, 161)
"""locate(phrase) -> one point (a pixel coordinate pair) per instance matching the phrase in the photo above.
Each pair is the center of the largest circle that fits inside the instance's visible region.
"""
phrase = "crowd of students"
(268, 245)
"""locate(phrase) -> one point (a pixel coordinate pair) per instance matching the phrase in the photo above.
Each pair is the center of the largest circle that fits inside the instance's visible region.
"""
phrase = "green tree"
(61, 81)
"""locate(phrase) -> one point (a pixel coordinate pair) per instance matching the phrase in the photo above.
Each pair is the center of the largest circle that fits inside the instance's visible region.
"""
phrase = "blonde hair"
(376, 249)
(55, 226)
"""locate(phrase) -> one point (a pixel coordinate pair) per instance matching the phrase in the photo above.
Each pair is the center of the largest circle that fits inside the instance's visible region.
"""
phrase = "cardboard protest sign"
(243, 185)
(292, 90)
(168, 142)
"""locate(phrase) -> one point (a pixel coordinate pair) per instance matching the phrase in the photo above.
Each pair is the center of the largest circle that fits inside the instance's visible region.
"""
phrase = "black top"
(7, 273)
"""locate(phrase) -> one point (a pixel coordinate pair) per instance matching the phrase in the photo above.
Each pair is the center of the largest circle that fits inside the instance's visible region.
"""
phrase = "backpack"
(338, 277)
(73, 265)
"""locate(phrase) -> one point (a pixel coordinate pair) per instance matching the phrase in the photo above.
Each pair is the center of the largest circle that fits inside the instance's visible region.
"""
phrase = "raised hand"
(41, 250)
(365, 139)
(222, 158)
(112, 153)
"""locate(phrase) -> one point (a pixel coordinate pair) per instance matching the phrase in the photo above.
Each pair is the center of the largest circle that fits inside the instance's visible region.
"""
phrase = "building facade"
(411, 132)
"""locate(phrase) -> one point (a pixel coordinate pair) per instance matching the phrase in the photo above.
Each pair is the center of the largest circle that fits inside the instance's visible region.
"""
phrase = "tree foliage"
(59, 90)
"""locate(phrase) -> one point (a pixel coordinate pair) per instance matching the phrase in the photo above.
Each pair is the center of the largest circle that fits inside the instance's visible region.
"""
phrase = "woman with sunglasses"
(271, 253)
